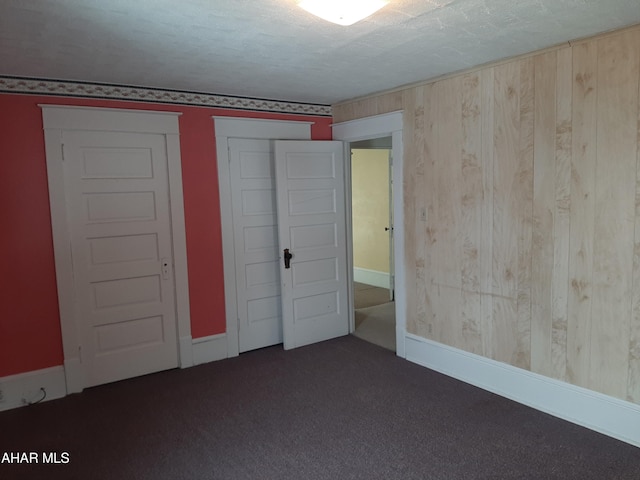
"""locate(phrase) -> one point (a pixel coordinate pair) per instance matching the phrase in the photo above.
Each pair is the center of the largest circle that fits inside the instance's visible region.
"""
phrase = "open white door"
(311, 228)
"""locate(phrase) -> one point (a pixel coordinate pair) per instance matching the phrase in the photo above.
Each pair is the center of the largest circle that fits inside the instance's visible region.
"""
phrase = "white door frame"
(234, 127)
(58, 118)
(388, 124)
(392, 238)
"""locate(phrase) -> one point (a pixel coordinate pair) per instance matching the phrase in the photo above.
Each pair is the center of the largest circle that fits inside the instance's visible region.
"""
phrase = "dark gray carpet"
(342, 409)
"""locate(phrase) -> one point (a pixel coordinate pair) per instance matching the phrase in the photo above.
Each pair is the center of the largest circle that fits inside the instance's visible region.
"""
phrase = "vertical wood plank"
(524, 213)
(409, 187)
(471, 213)
(633, 382)
(583, 178)
(447, 250)
(617, 105)
(343, 112)
(433, 235)
(505, 212)
(487, 81)
(420, 193)
(430, 148)
(561, 226)
(543, 212)
(366, 107)
(389, 102)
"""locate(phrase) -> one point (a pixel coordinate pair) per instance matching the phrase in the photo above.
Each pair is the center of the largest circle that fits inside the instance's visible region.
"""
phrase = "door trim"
(234, 127)
(56, 119)
(388, 124)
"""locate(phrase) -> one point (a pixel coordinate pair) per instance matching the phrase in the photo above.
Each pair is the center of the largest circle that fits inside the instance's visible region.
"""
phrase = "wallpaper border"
(36, 86)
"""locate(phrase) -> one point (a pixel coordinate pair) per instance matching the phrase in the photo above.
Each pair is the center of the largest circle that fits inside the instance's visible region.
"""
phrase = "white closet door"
(117, 200)
(256, 243)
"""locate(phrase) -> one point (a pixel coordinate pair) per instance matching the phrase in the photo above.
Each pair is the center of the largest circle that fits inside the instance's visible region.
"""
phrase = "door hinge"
(238, 323)
(64, 151)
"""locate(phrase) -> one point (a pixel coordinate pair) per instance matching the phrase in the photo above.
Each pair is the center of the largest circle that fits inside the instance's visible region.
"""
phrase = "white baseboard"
(22, 389)
(400, 341)
(209, 349)
(371, 277)
(602, 413)
(186, 351)
(74, 375)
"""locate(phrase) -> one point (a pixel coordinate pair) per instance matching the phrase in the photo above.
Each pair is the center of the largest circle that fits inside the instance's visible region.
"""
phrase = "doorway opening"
(377, 127)
(372, 240)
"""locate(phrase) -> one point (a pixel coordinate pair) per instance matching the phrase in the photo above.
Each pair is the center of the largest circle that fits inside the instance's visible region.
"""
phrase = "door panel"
(118, 208)
(311, 223)
(256, 243)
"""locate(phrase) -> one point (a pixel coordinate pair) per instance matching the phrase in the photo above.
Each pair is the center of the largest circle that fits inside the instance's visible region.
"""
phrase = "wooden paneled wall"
(528, 174)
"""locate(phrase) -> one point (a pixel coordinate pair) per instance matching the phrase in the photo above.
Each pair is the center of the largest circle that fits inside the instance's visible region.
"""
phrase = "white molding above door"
(388, 124)
(60, 118)
(234, 127)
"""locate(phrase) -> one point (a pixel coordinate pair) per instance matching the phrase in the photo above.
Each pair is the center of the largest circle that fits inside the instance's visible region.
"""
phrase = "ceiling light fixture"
(342, 12)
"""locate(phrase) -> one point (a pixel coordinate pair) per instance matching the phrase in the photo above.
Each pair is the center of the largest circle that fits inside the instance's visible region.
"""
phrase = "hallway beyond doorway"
(374, 315)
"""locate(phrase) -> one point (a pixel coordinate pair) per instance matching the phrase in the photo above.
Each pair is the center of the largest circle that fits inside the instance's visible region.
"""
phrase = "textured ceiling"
(273, 49)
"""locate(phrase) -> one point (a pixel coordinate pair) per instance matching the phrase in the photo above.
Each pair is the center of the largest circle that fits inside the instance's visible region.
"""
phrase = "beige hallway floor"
(374, 315)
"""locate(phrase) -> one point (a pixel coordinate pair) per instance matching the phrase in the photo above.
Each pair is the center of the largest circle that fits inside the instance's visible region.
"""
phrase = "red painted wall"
(30, 337)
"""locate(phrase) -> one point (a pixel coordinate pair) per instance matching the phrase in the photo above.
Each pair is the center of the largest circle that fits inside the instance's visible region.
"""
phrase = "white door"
(117, 201)
(255, 230)
(311, 226)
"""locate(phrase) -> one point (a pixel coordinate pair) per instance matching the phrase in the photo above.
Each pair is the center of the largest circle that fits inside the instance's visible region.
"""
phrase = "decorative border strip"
(156, 95)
